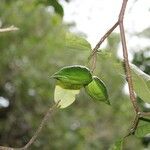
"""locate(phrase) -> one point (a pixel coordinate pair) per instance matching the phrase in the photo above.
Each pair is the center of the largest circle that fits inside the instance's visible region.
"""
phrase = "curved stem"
(93, 56)
(37, 132)
(125, 54)
(95, 49)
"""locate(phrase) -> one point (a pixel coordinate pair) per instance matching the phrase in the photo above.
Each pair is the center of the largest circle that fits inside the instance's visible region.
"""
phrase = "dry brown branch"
(11, 28)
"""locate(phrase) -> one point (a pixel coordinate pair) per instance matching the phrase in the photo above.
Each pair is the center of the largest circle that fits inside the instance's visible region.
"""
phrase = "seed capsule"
(73, 77)
(97, 90)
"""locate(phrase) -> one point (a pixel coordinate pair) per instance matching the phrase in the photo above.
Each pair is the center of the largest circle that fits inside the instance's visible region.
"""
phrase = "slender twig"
(125, 54)
(139, 114)
(94, 59)
(45, 119)
(95, 49)
(11, 28)
(133, 126)
(40, 127)
(145, 114)
(145, 119)
(93, 55)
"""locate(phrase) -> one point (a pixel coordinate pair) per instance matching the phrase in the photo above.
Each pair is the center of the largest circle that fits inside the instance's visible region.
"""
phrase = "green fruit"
(97, 90)
(73, 77)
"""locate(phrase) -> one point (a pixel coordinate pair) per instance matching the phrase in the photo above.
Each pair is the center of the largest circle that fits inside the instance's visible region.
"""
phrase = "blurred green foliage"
(54, 3)
(28, 58)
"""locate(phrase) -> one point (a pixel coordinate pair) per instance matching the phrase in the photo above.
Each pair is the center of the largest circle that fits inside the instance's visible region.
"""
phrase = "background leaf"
(141, 83)
(74, 42)
(143, 130)
(65, 96)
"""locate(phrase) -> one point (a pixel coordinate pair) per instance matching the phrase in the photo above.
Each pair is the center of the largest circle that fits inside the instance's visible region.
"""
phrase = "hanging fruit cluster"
(71, 79)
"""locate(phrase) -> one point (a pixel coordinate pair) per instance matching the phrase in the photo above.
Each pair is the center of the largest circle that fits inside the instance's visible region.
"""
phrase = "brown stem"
(40, 127)
(125, 54)
(139, 114)
(95, 49)
(93, 56)
(134, 124)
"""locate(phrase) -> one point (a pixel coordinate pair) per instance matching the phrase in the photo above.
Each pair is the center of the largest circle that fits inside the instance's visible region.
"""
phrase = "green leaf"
(97, 90)
(65, 96)
(74, 42)
(141, 83)
(143, 130)
(57, 6)
(117, 145)
(73, 77)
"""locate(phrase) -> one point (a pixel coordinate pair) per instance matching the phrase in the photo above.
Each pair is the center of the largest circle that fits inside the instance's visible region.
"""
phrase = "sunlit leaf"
(143, 130)
(117, 145)
(65, 96)
(97, 90)
(141, 83)
(74, 42)
(71, 77)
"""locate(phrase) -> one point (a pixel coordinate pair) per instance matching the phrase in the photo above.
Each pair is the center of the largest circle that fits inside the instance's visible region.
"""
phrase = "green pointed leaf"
(73, 77)
(141, 83)
(117, 145)
(143, 130)
(65, 96)
(74, 42)
(97, 90)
